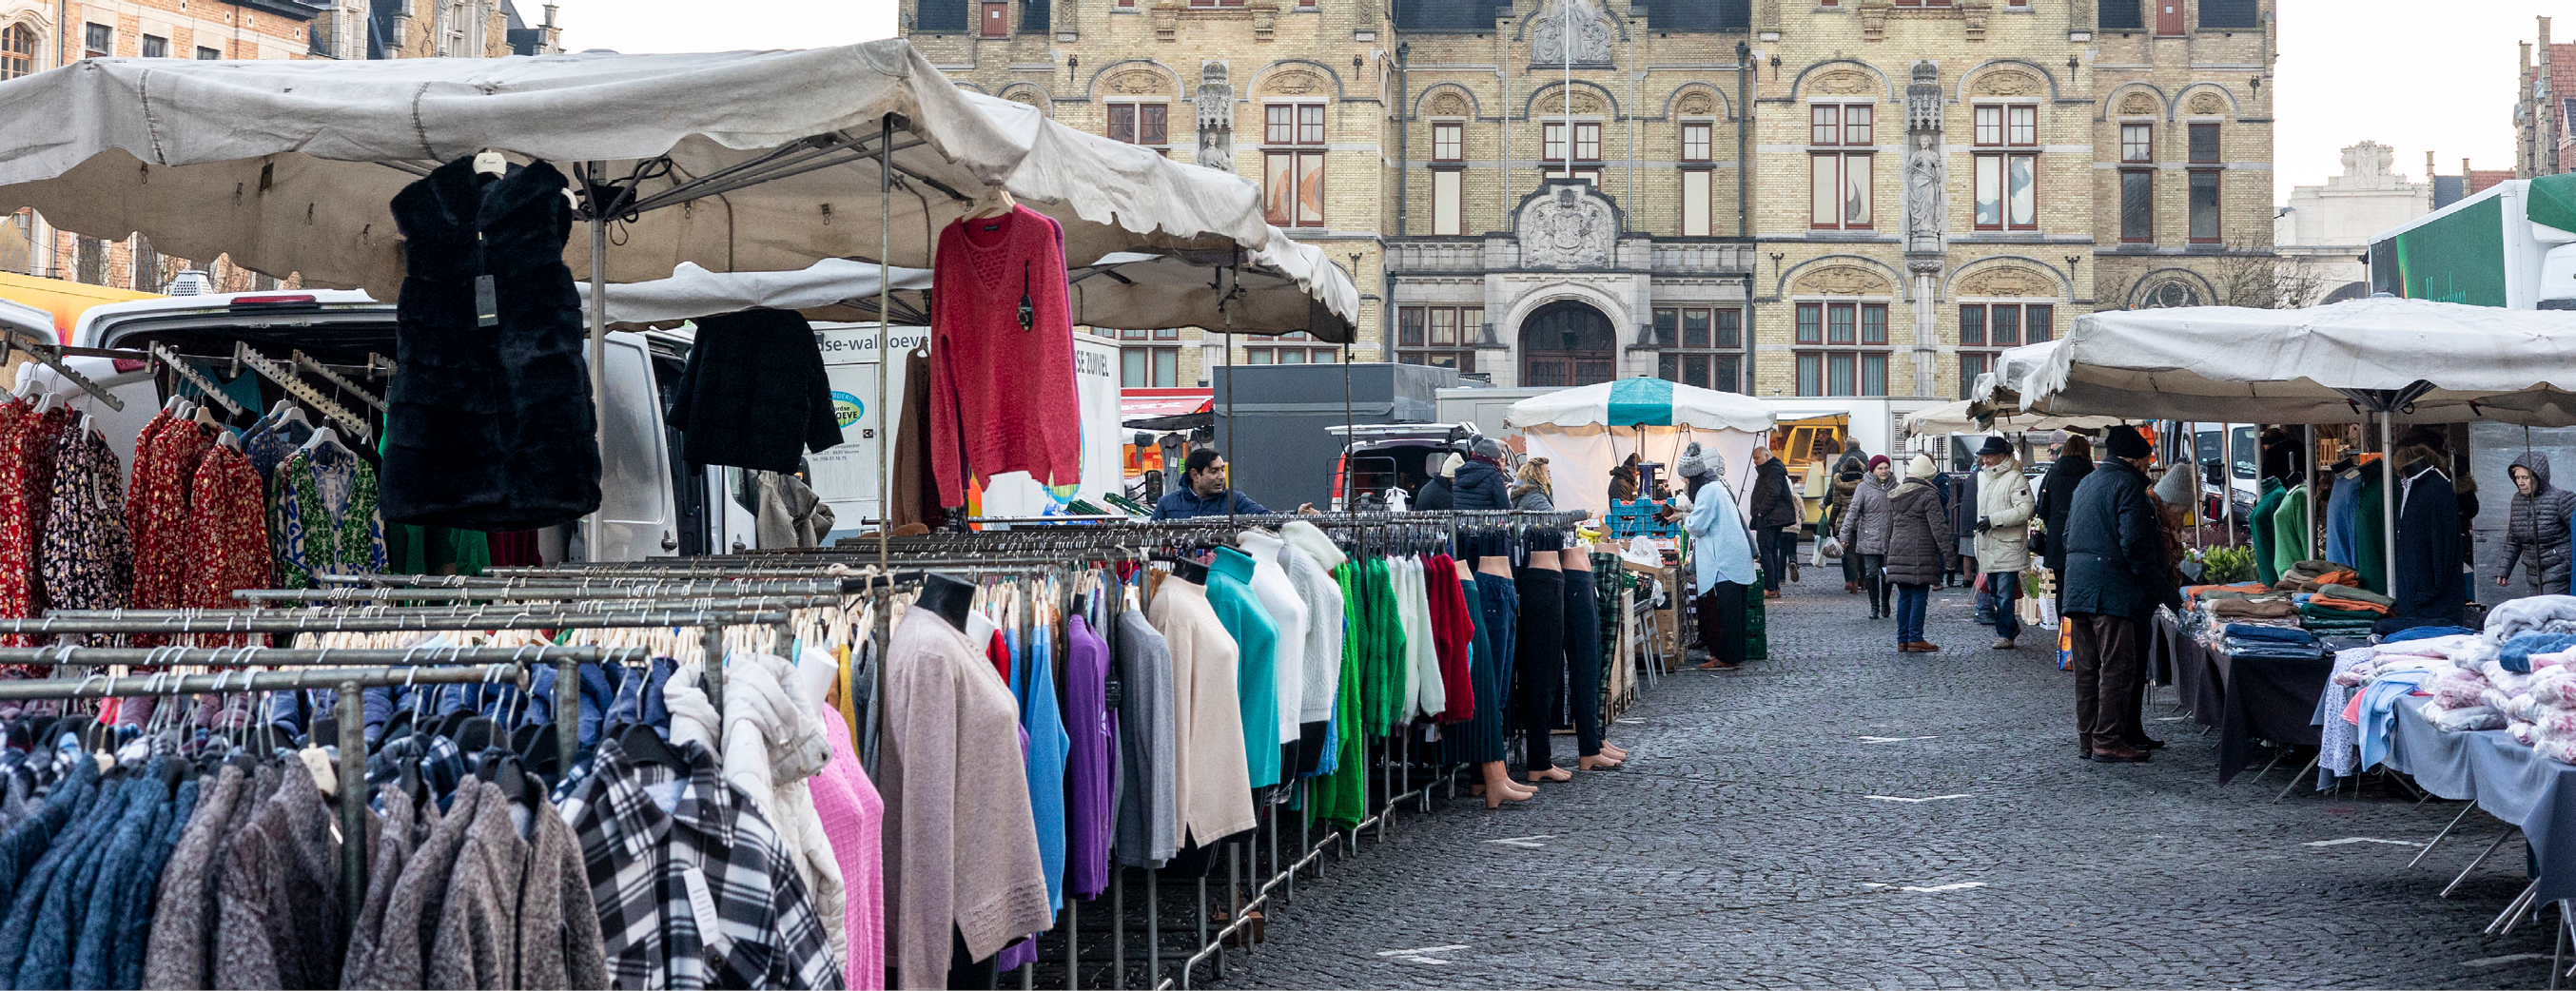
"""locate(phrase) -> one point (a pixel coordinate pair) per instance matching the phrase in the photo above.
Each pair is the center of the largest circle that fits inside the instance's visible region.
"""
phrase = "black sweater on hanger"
(754, 394)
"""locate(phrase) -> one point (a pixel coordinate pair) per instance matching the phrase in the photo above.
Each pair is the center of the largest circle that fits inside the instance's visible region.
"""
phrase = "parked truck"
(2513, 245)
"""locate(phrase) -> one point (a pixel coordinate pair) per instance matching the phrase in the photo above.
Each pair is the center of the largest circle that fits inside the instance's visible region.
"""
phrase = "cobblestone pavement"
(1845, 816)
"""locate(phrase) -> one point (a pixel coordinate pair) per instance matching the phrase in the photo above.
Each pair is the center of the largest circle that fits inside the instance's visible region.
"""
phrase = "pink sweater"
(1002, 397)
(854, 820)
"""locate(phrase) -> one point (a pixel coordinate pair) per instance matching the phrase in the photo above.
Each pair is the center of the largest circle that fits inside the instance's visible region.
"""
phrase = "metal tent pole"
(2388, 499)
(598, 334)
(885, 332)
(353, 800)
(2227, 478)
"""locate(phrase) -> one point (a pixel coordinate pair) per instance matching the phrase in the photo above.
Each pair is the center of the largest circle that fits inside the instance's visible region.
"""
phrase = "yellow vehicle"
(1808, 447)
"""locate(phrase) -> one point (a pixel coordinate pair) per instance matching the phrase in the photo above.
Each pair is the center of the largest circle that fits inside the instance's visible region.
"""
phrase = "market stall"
(1587, 430)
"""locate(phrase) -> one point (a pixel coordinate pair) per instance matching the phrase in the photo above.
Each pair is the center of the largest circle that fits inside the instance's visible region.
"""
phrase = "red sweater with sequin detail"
(1002, 397)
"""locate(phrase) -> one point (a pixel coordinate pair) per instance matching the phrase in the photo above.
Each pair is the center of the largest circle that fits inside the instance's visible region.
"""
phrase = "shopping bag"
(2065, 647)
(1828, 549)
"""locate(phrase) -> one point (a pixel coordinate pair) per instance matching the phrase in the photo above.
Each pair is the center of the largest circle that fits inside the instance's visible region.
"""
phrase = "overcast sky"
(2416, 78)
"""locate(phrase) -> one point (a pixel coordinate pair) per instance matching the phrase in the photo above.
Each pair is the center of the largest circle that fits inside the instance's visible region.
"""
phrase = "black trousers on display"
(1583, 661)
(1541, 665)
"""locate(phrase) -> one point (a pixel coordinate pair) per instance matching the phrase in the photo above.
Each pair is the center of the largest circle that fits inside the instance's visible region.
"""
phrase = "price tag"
(702, 906)
(487, 302)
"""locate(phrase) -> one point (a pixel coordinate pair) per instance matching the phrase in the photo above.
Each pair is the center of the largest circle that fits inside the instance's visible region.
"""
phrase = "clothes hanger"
(995, 202)
(324, 436)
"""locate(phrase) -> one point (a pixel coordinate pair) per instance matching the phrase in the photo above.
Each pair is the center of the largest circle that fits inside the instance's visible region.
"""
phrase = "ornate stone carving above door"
(2138, 104)
(2207, 104)
(1568, 226)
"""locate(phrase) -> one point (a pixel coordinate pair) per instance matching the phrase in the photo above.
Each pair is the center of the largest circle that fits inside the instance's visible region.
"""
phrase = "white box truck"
(2513, 245)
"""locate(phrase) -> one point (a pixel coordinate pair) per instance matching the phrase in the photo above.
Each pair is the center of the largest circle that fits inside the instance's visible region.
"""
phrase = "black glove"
(1984, 524)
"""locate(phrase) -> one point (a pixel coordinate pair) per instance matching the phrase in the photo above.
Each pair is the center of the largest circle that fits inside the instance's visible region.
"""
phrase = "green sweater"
(2267, 559)
(1341, 798)
(2291, 540)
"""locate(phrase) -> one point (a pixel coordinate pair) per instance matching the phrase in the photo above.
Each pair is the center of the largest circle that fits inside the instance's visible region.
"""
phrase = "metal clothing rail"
(292, 621)
(804, 583)
(348, 682)
(823, 590)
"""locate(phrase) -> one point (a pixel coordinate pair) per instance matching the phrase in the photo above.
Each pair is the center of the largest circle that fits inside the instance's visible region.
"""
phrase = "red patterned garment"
(156, 512)
(26, 491)
(18, 528)
(226, 544)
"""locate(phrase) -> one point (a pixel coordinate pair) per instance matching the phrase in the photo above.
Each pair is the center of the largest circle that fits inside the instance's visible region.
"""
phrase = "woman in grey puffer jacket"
(2537, 534)
(1864, 531)
(1533, 489)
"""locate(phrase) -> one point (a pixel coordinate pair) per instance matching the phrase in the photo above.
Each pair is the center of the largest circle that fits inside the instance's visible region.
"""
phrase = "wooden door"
(997, 19)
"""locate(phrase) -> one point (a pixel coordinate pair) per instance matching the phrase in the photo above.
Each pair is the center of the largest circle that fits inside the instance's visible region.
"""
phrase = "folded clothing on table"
(2271, 608)
(2285, 642)
(2515, 654)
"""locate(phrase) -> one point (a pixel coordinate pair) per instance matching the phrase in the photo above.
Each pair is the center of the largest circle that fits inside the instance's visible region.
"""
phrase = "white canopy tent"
(733, 161)
(1122, 290)
(1586, 431)
(771, 160)
(2390, 359)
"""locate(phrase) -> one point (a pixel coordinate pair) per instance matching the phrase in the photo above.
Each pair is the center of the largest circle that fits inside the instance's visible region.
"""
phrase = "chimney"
(2526, 59)
(2544, 37)
(2428, 165)
(2464, 168)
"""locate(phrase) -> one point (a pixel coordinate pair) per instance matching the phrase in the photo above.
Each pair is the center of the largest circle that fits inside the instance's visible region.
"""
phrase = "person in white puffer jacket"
(2003, 512)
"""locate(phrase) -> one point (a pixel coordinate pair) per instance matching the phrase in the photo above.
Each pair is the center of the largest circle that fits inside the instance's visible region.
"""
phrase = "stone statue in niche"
(1927, 171)
(1926, 194)
(1567, 228)
(1215, 118)
(1589, 38)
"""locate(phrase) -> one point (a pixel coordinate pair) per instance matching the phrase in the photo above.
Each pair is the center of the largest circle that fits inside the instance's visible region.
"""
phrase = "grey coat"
(414, 906)
(394, 839)
(1919, 544)
(1865, 524)
(1531, 497)
(475, 944)
(175, 956)
(278, 896)
(560, 945)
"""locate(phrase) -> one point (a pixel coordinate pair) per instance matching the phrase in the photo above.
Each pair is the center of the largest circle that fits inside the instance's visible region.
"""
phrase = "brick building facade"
(41, 34)
(1547, 191)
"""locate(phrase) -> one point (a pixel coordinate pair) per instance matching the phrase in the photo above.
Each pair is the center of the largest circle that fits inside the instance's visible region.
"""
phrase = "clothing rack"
(213, 393)
(289, 621)
(348, 682)
(808, 585)
(286, 378)
(51, 356)
(820, 595)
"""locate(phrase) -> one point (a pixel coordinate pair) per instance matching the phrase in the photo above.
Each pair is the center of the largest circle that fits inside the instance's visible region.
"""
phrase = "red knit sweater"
(1002, 398)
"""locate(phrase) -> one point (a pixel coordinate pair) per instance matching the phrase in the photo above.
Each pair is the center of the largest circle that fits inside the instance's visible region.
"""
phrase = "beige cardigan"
(961, 845)
(1211, 782)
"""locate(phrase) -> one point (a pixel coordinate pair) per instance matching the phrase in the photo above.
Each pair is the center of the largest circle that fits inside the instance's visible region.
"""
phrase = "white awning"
(749, 161)
(2433, 362)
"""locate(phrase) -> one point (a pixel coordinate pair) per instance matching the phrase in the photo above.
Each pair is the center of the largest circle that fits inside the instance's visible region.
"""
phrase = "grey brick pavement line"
(1738, 858)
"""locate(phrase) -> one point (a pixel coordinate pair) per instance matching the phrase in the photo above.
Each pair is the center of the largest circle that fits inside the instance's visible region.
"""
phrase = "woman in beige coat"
(2003, 512)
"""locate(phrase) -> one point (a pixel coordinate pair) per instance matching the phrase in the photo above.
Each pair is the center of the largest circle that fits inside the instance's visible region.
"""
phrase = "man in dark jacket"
(2536, 534)
(1777, 514)
(1481, 483)
(1205, 491)
(2430, 587)
(2057, 498)
(2115, 577)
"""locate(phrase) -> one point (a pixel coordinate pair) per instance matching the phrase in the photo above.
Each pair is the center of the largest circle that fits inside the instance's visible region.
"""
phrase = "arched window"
(17, 51)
